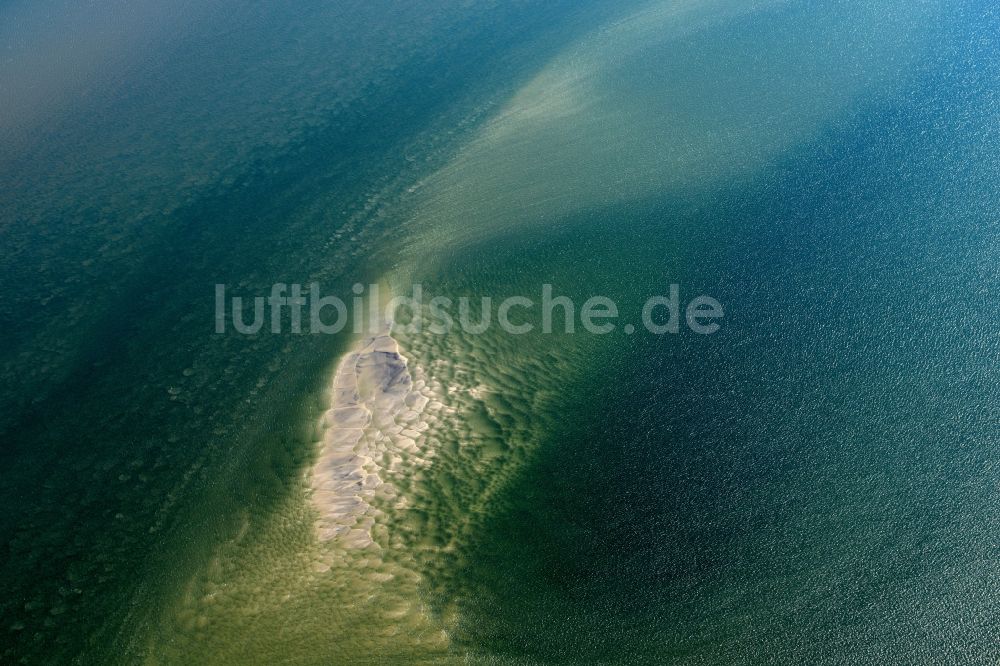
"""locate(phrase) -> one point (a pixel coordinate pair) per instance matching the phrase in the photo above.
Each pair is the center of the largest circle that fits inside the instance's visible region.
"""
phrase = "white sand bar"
(372, 426)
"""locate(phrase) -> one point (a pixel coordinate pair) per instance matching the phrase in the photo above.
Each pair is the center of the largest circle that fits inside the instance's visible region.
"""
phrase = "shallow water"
(813, 483)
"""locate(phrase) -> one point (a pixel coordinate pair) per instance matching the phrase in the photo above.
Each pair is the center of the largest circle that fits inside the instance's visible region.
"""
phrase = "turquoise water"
(814, 483)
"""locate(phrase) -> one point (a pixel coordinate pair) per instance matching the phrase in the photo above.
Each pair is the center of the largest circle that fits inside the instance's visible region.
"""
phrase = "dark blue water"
(815, 483)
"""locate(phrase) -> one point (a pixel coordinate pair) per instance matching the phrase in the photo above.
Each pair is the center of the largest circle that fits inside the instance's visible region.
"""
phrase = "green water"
(812, 484)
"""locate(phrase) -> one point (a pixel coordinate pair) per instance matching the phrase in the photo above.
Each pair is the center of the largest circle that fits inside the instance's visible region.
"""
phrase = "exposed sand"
(374, 426)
